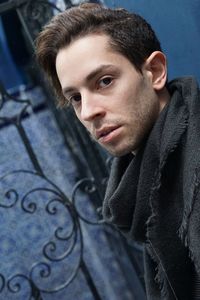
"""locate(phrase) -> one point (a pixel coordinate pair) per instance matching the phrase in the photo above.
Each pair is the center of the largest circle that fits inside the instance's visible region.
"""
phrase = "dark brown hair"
(129, 35)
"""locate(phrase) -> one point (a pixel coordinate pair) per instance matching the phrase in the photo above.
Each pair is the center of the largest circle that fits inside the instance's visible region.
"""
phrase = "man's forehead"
(82, 49)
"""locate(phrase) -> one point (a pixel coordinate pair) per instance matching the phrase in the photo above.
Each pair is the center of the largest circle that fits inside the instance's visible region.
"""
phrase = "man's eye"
(104, 82)
(74, 99)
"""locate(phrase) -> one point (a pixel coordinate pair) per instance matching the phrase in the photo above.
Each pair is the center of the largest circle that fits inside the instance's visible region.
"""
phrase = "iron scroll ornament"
(66, 243)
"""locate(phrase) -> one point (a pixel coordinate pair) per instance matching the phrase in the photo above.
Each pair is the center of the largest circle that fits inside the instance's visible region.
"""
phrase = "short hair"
(129, 34)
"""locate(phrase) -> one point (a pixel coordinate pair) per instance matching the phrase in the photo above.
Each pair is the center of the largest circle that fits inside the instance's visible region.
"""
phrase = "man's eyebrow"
(98, 70)
(89, 77)
(67, 90)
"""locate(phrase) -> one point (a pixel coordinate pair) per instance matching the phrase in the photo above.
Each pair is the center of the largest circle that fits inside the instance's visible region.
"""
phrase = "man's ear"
(156, 65)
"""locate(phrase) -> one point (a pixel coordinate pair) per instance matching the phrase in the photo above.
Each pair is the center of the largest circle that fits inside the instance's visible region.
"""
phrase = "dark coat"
(154, 197)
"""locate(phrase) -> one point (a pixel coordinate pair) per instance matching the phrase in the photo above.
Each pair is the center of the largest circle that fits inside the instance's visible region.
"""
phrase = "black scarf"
(152, 197)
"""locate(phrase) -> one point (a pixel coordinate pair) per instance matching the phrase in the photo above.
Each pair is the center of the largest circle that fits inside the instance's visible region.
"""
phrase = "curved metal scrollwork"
(66, 238)
(2, 282)
(15, 283)
(12, 197)
(34, 14)
(89, 187)
(10, 103)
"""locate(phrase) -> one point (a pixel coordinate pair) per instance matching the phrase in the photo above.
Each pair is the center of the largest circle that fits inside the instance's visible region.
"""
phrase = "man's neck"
(164, 97)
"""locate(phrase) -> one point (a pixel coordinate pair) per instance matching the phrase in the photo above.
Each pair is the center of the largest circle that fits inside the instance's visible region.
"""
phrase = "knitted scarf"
(152, 197)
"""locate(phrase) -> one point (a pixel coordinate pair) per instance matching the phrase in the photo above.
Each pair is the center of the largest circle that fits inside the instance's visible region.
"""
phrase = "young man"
(109, 66)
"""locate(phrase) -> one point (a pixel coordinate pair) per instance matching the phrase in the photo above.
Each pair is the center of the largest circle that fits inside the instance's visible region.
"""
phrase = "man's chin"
(120, 151)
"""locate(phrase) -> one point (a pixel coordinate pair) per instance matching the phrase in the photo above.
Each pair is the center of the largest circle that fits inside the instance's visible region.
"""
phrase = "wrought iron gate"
(48, 225)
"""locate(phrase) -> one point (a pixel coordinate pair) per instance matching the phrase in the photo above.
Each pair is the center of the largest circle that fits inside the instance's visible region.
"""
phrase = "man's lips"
(104, 132)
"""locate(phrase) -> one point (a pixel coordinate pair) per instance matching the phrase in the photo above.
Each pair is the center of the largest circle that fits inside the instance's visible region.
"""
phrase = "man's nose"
(91, 107)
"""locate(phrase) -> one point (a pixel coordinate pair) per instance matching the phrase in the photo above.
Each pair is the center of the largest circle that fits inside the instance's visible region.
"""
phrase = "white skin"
(117, 104)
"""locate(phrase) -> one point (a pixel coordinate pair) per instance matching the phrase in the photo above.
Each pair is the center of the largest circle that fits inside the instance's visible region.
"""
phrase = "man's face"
(115, 102)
